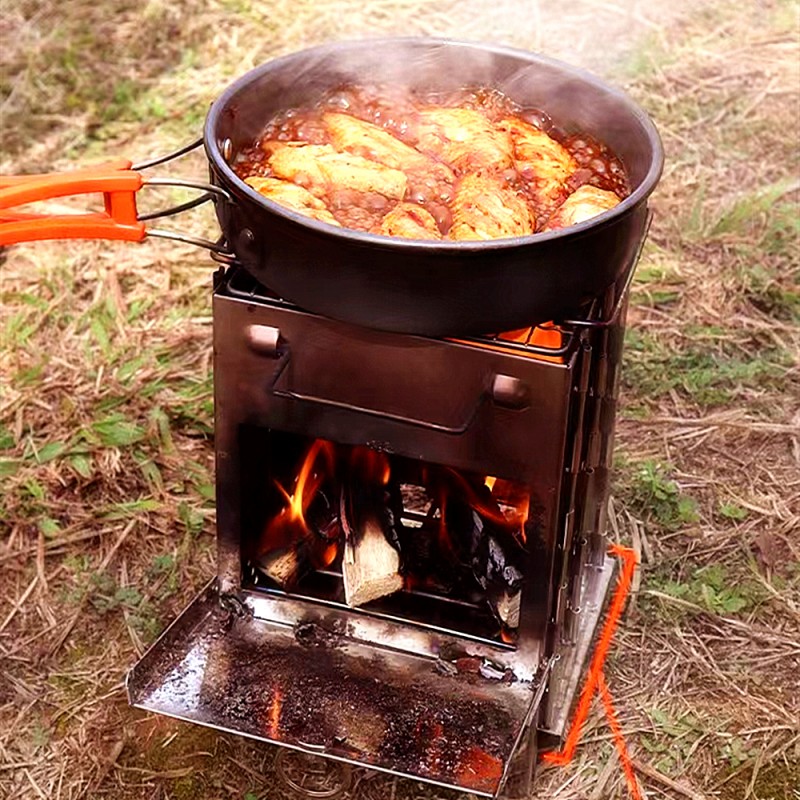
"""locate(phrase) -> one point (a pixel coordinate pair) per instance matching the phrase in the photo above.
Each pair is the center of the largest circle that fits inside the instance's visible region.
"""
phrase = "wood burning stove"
(482, 464)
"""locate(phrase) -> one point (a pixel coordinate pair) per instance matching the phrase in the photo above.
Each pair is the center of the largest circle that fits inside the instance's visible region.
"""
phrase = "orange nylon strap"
(619, 739)
(595, 682)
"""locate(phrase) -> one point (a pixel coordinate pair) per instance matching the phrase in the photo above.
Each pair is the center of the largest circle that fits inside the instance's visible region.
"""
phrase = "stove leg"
(311, 776)
(523, 768)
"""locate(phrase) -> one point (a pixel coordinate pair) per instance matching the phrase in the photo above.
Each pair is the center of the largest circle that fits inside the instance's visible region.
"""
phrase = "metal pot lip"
(639, 195)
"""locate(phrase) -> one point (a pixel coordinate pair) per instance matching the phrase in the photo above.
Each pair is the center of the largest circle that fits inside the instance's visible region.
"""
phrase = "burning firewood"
(488, 545)
(286, 565)
(370, 564)
(298, 547)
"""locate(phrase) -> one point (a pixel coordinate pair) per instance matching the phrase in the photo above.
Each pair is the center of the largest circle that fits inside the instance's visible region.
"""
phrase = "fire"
(329, 554)
(513, 497)
(274, 720)
(507, 636)
(289, 525)
(307, 483)
(370, 465)
(477, 768)
(515, 501)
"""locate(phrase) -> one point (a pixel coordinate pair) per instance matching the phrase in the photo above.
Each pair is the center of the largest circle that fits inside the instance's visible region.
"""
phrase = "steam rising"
(593, 34)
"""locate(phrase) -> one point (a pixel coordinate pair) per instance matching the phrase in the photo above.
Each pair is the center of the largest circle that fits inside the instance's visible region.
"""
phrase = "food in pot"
(584, 203)
(322, 170)
(485, 207)
(410, 221)
(465, 139)
(471, 166)
(293, 196)
(540, 161)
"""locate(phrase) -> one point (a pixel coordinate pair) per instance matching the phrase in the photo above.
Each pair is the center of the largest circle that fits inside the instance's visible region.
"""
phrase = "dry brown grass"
(106, 526)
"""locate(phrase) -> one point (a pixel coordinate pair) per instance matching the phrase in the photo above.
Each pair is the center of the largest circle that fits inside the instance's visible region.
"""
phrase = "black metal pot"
(432, 288)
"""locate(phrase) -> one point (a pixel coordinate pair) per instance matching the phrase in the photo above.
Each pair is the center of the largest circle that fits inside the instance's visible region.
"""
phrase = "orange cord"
(619, 739)
(595, 682)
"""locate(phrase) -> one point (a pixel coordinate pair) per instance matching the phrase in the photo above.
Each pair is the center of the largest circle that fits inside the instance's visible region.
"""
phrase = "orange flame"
(507, 636)
(477, 768)
(274, 722)
(515, 499)
(371, 465)
(289, 524)
(512, 495)
(308, 481)
(329, 554)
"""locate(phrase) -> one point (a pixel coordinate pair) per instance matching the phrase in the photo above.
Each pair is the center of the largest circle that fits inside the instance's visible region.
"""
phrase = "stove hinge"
(564, 611)
(584, 539)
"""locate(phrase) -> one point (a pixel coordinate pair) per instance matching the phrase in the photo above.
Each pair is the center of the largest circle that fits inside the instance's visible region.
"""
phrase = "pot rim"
(639, 195)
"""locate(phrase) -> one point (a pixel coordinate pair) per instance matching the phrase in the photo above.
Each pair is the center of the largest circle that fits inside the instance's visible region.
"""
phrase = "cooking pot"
(420, 287)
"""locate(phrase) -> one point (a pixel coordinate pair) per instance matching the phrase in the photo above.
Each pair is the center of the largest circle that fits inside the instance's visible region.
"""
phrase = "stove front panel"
(442, 401)
(480, 410)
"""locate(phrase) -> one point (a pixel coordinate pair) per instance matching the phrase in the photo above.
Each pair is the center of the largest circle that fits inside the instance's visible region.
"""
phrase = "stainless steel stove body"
(421, 683)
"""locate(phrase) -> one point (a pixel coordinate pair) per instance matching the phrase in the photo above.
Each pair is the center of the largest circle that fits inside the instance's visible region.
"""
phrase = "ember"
(274, 719)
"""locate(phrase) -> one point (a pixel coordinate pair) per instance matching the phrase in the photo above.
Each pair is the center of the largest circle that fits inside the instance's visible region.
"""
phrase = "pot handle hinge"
(219, 250)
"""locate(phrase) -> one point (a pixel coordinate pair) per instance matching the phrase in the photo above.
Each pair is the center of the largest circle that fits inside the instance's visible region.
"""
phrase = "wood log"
(286, 565)
(370, 564)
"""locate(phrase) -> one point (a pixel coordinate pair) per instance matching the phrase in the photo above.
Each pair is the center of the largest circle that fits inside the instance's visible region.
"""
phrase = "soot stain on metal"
(320, 695)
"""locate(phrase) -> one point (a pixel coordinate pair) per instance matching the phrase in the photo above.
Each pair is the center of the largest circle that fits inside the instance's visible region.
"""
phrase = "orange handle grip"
(117, 182)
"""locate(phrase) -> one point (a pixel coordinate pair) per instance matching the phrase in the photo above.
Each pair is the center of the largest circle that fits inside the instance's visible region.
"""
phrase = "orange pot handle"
(115, 180)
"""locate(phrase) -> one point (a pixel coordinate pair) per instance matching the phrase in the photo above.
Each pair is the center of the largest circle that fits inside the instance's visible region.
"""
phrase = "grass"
(106, 435)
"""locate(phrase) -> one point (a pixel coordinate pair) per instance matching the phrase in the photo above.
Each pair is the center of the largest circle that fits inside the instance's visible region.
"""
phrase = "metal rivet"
(263, 339)
(227, 149)
(510, 391)
(246, 238)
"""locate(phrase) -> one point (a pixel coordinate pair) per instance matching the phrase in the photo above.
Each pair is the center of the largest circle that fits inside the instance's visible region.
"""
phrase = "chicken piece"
(410, 221)
(542, 161)
(362, 138)
(584, 203)
(321, 169)
(465, 139)
(484, 208)
(293, 196)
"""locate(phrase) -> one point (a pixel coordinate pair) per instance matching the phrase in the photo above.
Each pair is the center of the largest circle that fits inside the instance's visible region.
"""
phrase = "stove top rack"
(242, 285)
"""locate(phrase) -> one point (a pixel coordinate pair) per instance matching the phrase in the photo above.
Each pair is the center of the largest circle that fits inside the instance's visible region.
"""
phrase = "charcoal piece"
(487, 547)
(497, 562)
(322, 515)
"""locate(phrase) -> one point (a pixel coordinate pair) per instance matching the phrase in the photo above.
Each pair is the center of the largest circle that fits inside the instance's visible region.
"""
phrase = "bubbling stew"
(469, 166)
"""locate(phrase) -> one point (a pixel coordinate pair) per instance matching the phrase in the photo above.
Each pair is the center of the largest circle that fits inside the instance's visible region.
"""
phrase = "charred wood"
(286, 565)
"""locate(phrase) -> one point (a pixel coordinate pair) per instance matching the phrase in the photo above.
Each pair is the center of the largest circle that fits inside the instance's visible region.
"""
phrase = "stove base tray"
(324, 693)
